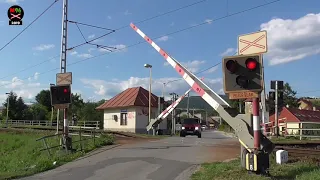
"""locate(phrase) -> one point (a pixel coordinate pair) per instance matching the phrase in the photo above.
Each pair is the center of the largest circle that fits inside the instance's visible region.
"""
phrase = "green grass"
(20, 152)
(304, 169)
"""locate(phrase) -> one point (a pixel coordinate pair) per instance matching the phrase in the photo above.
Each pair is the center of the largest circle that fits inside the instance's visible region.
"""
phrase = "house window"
(123, 119)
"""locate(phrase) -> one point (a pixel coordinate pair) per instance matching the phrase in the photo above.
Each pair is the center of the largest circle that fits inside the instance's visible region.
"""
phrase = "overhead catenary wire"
(141, 21)
(175, 32)
(28, 25)
(97, 45)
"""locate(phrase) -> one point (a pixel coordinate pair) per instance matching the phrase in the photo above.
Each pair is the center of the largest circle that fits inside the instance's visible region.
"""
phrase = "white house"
(128, 111)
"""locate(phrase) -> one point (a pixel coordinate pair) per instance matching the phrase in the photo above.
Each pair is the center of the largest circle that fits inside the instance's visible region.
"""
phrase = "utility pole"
(172, 127)
(63, 68)
(188, 104)
(278, 101)
(263, 97)
(276, 110)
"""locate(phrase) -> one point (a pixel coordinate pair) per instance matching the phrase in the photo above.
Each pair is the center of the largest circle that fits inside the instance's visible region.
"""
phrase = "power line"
(175, 32)
(28, 25)
(89, 42)
(169, 12)
(139, 22)
(30, 67)
(147, 19)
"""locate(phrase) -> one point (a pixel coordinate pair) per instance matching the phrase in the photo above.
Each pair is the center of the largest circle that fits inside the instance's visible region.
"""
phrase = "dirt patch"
(224, 152)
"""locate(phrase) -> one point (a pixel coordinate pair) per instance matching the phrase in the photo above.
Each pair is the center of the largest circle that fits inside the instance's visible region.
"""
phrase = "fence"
(48, 124)
(81, 134)
(311, 133)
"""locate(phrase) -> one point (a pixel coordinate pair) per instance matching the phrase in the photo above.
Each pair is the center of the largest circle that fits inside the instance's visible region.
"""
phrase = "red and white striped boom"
(167, 111)
(239, 122)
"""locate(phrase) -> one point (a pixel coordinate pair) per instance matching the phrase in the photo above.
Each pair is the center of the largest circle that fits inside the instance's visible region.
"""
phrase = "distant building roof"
(297, 115)
(136, 96)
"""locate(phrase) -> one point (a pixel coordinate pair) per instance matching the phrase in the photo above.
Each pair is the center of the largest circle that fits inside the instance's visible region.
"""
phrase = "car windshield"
(190, 121)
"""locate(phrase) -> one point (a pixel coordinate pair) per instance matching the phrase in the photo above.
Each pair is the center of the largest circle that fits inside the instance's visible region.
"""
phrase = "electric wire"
(147, 19)
(81, 32)
(97, 45)
(28, 25)
(175, 32)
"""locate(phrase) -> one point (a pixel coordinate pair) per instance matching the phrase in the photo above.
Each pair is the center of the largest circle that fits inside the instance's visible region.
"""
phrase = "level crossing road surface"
(172, 158)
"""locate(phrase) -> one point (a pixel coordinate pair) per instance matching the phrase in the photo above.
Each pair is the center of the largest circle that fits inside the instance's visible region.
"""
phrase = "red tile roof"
(298, 115)
(136, 96)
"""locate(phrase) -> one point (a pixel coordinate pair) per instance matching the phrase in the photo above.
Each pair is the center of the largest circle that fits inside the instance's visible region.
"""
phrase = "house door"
(123, 119)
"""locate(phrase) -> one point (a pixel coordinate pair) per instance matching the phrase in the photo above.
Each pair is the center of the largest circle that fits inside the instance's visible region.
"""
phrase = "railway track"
(300, 152)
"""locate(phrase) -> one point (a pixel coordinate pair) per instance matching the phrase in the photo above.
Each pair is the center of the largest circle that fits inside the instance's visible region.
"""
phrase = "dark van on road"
(190, 126)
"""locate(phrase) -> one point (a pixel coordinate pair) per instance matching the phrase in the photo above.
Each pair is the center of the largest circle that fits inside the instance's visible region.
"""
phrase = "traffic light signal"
(60, 94)
(242, 73)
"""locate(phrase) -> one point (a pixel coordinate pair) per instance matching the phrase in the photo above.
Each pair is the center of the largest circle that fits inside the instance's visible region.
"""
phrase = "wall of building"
(292, 131)
(137, 119)
(142, 119)
(112, 120)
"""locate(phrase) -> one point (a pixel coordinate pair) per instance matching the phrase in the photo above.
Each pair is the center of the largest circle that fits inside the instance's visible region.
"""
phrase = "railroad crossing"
(256, 146)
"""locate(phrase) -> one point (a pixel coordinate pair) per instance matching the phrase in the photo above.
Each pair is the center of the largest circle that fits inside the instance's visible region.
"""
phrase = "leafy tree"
(289, 96)
(77, 104)
(236, 104)
(43, 98)
(17, 107)
(38, 112)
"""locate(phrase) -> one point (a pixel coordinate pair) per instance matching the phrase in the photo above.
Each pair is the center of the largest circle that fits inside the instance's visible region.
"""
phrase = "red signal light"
(232, 66)
(251, 64)
(65, 90)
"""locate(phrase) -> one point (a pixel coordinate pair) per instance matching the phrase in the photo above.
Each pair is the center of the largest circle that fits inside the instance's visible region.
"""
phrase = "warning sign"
(254, 43)
(64, 78)
(243, 95)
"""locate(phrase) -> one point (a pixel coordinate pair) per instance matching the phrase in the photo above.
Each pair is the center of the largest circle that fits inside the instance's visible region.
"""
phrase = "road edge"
(187, 173)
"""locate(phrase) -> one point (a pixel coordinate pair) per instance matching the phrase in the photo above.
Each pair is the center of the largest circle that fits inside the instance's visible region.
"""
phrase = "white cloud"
(84, 55)
(209, 21)
(163, 38)
(127, 13)
(109, 17)
(292, 39)
(36, 75)
(12, 1)
(27, 90)
(193, 66)
(91, 36)
(73, 53)
(91, 49)
(43, 47)
(108, 89)
(229, 52)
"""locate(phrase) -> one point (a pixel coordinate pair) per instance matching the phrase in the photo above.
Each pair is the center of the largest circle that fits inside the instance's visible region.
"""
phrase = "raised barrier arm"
(166, 112)
(238, 123)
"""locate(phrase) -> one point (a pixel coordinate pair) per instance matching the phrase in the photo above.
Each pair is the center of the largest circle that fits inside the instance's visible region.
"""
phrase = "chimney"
(314, 108)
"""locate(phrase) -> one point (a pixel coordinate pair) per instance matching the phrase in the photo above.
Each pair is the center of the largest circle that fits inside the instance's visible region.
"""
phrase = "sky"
(31, 61)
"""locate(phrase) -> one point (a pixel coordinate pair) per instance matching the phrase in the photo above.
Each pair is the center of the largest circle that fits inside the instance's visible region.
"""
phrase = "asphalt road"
(172, 158)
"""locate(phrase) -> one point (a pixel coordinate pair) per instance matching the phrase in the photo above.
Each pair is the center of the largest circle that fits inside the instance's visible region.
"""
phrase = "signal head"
(232, 66)
(251, 64)
(65, 90)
